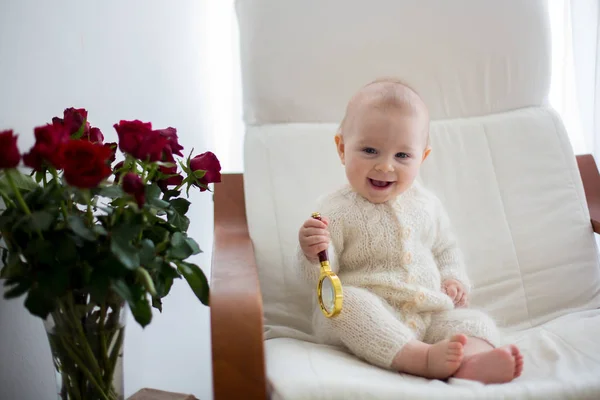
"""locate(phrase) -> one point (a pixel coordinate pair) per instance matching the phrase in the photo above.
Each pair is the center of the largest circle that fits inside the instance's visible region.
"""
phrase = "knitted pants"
(375, 331)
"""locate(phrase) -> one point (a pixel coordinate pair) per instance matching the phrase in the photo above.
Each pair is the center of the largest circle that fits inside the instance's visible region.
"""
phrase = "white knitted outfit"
(392, 259)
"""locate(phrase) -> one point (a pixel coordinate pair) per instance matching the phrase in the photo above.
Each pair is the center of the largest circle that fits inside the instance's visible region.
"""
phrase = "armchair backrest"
(501, 160)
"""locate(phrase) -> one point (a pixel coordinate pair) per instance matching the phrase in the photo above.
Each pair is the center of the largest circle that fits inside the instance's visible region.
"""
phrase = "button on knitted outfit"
(392, 259)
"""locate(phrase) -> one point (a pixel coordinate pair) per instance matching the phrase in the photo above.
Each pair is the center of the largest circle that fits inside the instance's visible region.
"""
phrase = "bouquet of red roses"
(84, 235)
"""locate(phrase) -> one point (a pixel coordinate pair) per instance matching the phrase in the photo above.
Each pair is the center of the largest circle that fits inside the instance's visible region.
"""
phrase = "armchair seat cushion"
(562, 361)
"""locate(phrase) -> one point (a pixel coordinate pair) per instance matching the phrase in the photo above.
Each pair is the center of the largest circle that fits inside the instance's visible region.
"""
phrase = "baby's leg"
(482, 361)
(369, 327)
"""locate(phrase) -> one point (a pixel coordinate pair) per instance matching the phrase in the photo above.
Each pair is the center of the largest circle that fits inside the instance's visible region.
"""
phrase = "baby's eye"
(370, 150)
(402, 155)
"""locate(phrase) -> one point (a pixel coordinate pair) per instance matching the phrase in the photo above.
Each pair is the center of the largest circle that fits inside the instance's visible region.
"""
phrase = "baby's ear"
(339, 144)
(426, 153)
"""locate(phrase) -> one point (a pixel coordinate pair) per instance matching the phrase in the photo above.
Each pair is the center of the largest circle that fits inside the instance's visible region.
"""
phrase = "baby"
(405, 285)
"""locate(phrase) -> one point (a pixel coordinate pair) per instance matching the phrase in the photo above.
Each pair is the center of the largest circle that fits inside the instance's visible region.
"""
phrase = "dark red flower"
(93, 135)
(73, 119)
(152, 147)
(86, 164)
(173, 142)
(210, 163)
(133, 184)
(48, 148)
(131, 134)
(113, 148)
(138, 139)
(9, 152)
(116, 169)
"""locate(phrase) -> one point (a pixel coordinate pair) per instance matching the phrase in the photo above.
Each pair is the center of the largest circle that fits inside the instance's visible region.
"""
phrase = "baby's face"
(382, 151)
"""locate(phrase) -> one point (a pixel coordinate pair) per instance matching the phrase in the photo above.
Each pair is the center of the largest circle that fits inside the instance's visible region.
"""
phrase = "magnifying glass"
(329, 288)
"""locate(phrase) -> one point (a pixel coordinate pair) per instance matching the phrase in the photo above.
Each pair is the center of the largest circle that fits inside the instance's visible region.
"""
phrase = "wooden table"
(153, 394)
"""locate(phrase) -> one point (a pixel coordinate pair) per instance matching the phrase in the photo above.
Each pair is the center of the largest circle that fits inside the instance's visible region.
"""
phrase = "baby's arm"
(445, 249)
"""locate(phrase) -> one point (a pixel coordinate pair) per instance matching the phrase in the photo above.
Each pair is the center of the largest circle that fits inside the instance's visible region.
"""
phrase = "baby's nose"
(384, 167)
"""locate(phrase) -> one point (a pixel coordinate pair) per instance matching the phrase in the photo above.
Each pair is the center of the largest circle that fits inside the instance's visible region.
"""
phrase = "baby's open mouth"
(380, 184)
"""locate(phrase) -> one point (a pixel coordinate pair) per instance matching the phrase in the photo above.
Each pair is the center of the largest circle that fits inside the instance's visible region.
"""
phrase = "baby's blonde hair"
(393, 93)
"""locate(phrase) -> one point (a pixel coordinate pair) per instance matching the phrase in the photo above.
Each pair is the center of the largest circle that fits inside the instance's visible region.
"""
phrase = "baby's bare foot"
(518, 360)
(495, 366)
(445, 357)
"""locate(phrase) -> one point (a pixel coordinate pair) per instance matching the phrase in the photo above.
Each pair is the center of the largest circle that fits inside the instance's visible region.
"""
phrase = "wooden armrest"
(591, 185)
(235, 300)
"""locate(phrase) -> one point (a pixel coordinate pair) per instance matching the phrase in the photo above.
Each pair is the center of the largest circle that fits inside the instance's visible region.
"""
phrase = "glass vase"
(86, 340)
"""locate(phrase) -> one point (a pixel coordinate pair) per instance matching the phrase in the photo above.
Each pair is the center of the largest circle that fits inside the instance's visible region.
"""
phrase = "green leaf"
(147, 252)
(181, 222)
(66, 250)
(158, 203)
(152, 192)
(20, 287)
(79, 227)
(142, 312)
(4, 255)
(180, 248)
(193, 245)
(199, 174)
(40, 251)
(39, 176)
(24, 183)
(121, 247)
(157, 303)
(171, 193)
(41, 220)
(126, 254)
(121, 288)
(112, 192)
(99, 284)
(99, 230)
(196, 279)
(39, 303)
(180, 205)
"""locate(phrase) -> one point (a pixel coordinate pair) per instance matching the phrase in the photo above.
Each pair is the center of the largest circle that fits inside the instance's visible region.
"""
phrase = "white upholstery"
(501, 163)
(303, 59)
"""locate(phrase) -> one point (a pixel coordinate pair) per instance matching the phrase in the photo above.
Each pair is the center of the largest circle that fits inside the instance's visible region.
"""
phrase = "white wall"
(121, 60)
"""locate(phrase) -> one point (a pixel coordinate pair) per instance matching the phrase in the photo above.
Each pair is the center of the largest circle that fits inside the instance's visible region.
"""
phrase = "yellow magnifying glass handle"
(329, 288)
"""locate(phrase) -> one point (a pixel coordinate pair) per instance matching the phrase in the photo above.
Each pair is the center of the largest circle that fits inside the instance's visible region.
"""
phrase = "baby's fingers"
(452, 292)
(317, 248)
(314, 240)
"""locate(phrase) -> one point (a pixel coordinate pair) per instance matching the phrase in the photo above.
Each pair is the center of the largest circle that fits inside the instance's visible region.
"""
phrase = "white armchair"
(501, 163)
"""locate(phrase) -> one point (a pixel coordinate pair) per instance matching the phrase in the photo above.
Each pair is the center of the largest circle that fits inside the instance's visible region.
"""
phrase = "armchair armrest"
(591, 184)
(235, 300)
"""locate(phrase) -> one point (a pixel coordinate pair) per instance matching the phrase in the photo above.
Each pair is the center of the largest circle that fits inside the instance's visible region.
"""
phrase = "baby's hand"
(314, 237)
(456, 291)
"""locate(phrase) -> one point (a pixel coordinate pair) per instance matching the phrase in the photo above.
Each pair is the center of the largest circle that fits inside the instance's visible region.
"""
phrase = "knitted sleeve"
(445, 249)
(328, 207)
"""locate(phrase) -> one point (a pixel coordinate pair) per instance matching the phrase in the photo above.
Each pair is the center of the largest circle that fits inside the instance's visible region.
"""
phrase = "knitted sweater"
(401, 250)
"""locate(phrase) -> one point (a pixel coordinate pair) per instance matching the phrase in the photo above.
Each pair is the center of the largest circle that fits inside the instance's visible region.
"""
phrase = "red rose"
(86, 164)
(134, 185)
(173, 143)
(152, 147)
(9, 152)
(138, 139)
(73, 119)
(49, 141)
(94, 135)
(207, 162)
(113, 148)
(172, 179)
(131, 134)
(116, 169)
